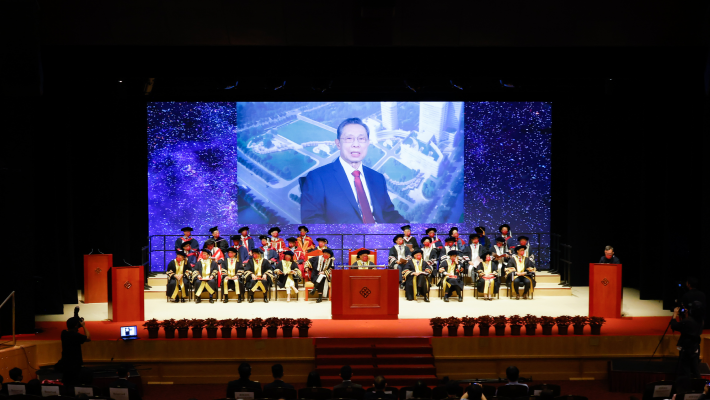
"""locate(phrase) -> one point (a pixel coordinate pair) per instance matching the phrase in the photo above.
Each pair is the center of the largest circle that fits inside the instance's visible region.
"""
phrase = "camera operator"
(693, 294)
(690, 328)
(71, 361)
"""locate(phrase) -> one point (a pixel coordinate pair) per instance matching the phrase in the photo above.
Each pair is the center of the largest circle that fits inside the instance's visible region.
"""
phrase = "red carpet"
(326, 328)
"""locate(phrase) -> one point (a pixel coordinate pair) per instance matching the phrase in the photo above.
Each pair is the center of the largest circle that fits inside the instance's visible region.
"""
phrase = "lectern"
(96, 267)
(125, 286)
(365, 294)
(605, 290)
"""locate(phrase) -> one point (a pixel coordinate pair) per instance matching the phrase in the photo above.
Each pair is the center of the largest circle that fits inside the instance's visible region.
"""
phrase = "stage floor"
(576, 304)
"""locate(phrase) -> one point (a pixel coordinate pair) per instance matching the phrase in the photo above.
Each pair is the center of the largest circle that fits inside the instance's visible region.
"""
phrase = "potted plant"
(169, 328)
(153, 327)
(468, 324)
(500, 322)
(563, 322)
(596, 324)
(579, 321)
(197, 324)
(183, 326)
(257, 326)
(287, 325)
(241, 324)
(303, 324)
(437, 324)
(484, 324)
(516, 324)
(530, 321)
(547, 323)
(211, 324)
(272, 326)
(452, 323)
(226, 326)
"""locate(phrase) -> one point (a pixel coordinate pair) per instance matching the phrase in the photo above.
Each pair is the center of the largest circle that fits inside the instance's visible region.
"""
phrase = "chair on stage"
(512, 391)
(442, 291)
(315, 393)
(280, 393)
(352, 255)
(556, 389)
(521, 288)
(309, 285)
(188, 291)
(662, 389)
(349, 392)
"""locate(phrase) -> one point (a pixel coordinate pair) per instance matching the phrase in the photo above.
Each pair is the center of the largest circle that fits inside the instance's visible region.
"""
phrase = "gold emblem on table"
(97, 270)
(364, 292)
(127, 285)
(605, 282)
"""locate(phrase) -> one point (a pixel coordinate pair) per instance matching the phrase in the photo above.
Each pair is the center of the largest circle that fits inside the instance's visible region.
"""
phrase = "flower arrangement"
(580, 320)
(500, 320)
(596, 321)
(226, 323)
(452, 322)
(256, 323)
(468, 321)
(211, 323)
(515, 320)
(241, 323)
(304, 322)
(437, 322)
(197, 323)
(169, 323)
(182, 323)
(152, 324)
(547, 321)
(288, 322)
(530, 320)
(272, 322)
(563, 320)
(485, 320)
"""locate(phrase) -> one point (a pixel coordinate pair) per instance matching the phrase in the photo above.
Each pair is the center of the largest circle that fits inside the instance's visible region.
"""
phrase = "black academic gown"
(421, 282)
(264, 268)
(413, 241)
(285, 267)
(236, 285)
(393, 258)
(495, 269)
(360, 263)
(222, 243)
(181, 240)
(200, 271)
(451, 283)
(527, 280)
(468, 253)
(173, 289)
(326, 267)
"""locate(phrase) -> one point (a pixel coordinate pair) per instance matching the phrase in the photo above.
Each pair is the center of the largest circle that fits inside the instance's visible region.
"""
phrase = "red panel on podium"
(126, 294)
(365, 294)
(605, 290)
(96, 267)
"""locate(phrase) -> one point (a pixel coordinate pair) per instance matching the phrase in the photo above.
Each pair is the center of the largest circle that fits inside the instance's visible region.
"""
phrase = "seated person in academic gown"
(521, 272)
(191, 254)
(473, 253)
(321, 268)
(287, 274)
(409, 240)
(276, 243)
(322, 244)
(217, 255)
(430, 255)
(246, 240)
(258, 274)
(219, 241)
(269, 254)
(363, 259)
(482, 239)
(243, 384)
(299, 256)
(186, 237)
(304, 242)
(507, 235)
(500, 252)
(416, 274)
(489, 276)
(609, 257)
(525, 242)
(399, 255)
(243, 252)
(450, 270)
(179, 271)
(435, 240)
(454, 233)
(208, 270)
(232, 271)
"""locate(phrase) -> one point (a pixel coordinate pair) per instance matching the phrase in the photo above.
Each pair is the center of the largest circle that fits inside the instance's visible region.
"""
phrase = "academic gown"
(270, 254)
(452, 277)
(248, 242)
(285, 279)
(232, 267)
(527, 280)
(497, 250)
(205, 269)
(221, 242)
(278, 245)
(485, 271)
(421, 282)
(411, 240)
(305, 243)
(360, 263)
(394, 257)
(318, 265)
(254, 268)
(179, 242)
(431, 257)
(173, 286)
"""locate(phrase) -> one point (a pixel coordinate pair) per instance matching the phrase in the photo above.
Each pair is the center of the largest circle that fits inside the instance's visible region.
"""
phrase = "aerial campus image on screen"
(417, 146)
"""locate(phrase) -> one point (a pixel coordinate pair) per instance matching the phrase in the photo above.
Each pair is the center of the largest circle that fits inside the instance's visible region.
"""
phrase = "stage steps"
(547, 285)
(402, 361)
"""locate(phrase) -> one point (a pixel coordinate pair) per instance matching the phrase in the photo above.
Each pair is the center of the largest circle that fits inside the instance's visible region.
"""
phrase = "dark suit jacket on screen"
(327, 198)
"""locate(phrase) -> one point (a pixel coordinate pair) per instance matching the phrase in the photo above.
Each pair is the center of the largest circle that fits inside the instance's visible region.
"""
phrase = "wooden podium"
(605, 290)
(125, 290)
(96, 267)
(365, 294)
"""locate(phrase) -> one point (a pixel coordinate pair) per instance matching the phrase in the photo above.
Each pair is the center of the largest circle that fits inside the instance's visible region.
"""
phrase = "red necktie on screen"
(362, 199)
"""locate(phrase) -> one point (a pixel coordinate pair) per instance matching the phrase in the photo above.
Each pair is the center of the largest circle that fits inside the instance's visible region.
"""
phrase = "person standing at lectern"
(609, 257)
(345, 191)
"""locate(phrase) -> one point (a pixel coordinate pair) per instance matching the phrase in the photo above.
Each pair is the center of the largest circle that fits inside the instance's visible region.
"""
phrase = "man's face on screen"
(353, 143)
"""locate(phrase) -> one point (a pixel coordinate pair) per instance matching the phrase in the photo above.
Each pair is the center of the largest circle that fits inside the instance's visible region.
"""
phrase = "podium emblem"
(605, 282)
(127, 285)
(364, 292)
(97, 270)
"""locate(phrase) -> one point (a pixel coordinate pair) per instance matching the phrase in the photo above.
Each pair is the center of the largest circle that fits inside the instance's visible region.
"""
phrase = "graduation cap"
(322, 240)
(429, 230)
(210, 242)
(303, 228)
(397, 237)
(292, 239)
(480, 230)
(187, 243)
(262, 237)
(288, 253)
(417, 251)
(362, 252)
(257, 250)
(206, 250)
(450, 239)
(523, 238)
(186, 229)
(243, 228)
(235, 238)
(452, 253)
(500, 240)
(232, 249)
(181, 253)
(451, 231)
(518, 248)
(404, 228)
(473, 236)
(486, 254)
(426, 238)
(214, 228)
(276, 228)
(329, 251)
(500, 228)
